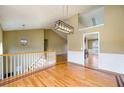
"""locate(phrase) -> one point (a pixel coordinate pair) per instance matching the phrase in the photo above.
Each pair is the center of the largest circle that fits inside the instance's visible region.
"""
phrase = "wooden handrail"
(22, 62)
(7, 54)
(14, 54)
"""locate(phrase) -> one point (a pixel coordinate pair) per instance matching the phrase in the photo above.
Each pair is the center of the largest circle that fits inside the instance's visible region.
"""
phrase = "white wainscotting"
(76, 57)
(107, 61)
(112, 62)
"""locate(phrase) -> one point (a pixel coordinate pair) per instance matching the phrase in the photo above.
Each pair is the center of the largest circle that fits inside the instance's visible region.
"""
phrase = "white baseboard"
(76, 57)
(112, 62)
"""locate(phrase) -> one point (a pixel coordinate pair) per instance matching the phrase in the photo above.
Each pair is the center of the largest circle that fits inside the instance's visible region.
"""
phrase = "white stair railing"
(12, 65)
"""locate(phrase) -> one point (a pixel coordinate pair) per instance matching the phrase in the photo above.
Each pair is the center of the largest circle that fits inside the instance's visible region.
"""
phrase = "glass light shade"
(63, 27)
(23, 42)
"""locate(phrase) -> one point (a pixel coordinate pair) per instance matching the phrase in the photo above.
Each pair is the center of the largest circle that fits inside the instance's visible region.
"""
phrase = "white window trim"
(86, 28)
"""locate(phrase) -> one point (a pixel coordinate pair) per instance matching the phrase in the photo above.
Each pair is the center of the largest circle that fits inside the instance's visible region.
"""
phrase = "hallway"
(92, 61)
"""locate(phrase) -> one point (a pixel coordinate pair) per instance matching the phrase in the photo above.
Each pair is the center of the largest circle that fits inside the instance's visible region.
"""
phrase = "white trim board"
(84, 45)
(76, 57)
(112, 62)
(86, 28)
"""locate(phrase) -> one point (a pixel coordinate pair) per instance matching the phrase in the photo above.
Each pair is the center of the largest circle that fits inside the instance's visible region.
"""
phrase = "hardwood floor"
(92, 61)
(61, 58)
(66, 75)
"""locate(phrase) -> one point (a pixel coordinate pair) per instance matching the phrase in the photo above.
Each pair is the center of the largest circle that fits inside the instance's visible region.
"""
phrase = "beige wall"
(11, 43)
(1, 41)
(74, 40)
(55, 42)
(111, 34)
(35, 41)
(1, 47)
(90, 43)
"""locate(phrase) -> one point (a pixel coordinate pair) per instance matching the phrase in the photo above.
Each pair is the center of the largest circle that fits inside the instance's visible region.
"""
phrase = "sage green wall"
(1, 47)
(111, 33)
(55, 42)
(1, 41)
(35, 39)
(90, 43)
(74, 40)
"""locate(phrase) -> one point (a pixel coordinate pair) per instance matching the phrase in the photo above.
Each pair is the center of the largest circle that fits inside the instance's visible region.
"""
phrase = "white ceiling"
(34, 16)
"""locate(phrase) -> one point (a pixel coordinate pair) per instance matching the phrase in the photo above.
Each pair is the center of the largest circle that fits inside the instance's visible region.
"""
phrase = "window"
(91, 18)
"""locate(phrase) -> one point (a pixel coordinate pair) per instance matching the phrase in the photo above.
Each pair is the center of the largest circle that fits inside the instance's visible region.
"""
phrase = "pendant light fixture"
(23, 41)
(62, 26)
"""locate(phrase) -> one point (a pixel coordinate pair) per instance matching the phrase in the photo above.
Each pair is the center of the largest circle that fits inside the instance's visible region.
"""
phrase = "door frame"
(84, 35)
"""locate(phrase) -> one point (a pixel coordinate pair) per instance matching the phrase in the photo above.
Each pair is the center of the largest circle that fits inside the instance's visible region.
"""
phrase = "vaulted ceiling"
(36, 16)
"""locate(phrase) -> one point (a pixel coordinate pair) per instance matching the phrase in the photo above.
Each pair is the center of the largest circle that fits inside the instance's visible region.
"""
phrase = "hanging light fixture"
(23, 41)
(63, 27)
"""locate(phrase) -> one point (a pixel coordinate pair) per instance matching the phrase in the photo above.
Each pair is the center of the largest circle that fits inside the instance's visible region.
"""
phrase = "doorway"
(45, 44)
(91, 48)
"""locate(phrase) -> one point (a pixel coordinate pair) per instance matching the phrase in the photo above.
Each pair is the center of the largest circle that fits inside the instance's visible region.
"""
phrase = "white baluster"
(24, 62)
(21, 62)
(48, 57)
(31, 63)
(27, 61)
(6, 66)
(35, 60)
(2, 68)
(18, 61)
(14, 65)
(10, 66)
(40, 56)
(43, 60)
(47, 61)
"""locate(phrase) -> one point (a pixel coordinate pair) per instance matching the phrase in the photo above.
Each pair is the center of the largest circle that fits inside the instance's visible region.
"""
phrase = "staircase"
(41, 63)
(63, 35)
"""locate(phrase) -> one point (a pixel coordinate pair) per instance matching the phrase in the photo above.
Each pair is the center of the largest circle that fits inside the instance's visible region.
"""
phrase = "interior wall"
(90, 43)
(56, 42)
(86, 19)
(111, 40)
(34, 37)
(75, 39)
(1, 41)
(1, 50)
(111, 34)
(112, 37)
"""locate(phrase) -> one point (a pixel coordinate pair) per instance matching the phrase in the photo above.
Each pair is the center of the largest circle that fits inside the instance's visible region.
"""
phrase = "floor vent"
(120, 80)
